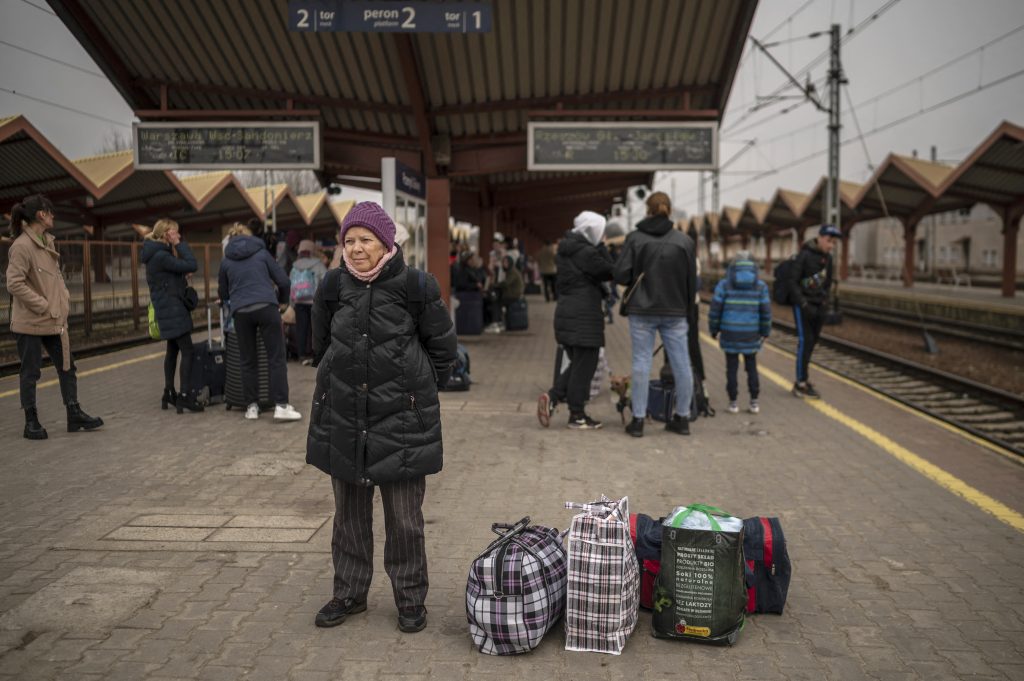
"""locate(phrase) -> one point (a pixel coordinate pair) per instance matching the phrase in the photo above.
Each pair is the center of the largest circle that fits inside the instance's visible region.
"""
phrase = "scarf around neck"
(375, 272)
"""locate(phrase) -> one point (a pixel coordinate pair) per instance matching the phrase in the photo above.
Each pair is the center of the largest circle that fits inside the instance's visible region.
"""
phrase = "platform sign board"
(617, 145)
(404, 197)
(291, 145)
(411, 16)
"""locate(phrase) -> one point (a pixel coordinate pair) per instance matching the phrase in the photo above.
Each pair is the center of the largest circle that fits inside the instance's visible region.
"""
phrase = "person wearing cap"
(382, 342)
(584, 264)
(306, 275)
(809, 286)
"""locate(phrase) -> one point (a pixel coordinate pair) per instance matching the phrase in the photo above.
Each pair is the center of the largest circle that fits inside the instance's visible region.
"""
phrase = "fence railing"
(107, 282)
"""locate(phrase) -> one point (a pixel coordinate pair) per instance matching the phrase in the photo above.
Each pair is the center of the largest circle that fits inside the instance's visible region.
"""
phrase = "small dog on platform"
(620, 396)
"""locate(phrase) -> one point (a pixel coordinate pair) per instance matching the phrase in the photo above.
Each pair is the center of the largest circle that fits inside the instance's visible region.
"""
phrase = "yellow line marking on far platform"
(937, 475)
(90, 372)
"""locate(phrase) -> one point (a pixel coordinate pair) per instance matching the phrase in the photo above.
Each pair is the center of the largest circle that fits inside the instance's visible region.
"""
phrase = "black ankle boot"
(33, 429)
(169, 399)
(188, 401)
(79, 420)
(635, 428)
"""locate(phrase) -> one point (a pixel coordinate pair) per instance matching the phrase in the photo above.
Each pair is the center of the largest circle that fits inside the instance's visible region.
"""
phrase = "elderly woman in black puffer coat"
(382, 341)
(584, 265)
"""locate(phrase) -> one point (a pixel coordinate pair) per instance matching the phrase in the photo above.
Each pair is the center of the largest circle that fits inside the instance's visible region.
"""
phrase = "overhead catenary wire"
(38, 7)
(65, 108)
(54, 60)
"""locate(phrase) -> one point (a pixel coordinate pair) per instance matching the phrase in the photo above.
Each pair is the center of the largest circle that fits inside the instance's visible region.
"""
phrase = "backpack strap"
(415, 292)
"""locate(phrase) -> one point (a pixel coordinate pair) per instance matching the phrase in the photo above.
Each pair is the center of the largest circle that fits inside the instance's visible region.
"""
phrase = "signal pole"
(835, 81)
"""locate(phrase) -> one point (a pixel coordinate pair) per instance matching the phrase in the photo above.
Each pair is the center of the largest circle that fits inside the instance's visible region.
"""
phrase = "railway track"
(986, 412)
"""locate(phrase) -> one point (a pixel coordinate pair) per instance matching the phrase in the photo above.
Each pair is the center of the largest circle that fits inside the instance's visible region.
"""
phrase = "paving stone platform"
(197, 546)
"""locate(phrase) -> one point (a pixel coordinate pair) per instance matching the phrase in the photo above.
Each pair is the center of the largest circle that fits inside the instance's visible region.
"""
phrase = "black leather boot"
(33, 429)
(79, 420)
(188, 401)
(169, 399)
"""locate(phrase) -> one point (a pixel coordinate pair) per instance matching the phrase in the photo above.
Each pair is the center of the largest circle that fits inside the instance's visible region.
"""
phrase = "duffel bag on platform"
(769, 569)
(604, 580)
(515, 591)
(645, 532)
(700, 593)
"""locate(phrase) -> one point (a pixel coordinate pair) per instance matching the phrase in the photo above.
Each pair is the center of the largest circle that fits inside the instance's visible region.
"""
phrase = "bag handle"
(601, 508)
(506, 532)
(709, 511)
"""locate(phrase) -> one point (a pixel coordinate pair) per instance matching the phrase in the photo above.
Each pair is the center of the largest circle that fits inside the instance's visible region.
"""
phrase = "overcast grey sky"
(911, 38)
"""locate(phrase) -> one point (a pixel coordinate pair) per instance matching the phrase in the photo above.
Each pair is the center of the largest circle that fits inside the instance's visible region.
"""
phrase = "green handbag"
(154, 328)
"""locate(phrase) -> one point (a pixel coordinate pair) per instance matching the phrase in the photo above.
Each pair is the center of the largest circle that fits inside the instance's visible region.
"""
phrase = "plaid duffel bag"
(603, 597)
(516, 588)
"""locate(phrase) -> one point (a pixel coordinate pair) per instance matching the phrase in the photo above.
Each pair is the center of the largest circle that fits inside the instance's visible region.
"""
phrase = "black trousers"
(573, 384)
(549, 287)
(182, 344)
(267, 322)
(808, 329)
(303, 329)
(30, 352)
(732, 367)
(405, 551)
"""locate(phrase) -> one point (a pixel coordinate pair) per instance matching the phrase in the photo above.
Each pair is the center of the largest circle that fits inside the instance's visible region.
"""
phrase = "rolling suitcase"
(469, 315)
(208, 367)
(518, 319)
(234, 394)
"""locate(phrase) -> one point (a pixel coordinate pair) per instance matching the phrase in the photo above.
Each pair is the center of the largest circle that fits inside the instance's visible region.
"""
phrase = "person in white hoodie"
(307, 273)
(584, 264)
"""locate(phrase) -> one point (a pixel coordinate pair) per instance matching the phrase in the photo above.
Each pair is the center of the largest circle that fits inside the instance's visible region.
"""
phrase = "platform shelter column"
(438, 212)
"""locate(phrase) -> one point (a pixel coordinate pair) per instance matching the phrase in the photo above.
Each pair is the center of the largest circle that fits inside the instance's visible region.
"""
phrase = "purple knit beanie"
(373, 217)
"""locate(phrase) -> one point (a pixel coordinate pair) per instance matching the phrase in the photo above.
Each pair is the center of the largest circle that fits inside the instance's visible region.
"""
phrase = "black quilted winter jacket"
(579, 313)
(376, 416)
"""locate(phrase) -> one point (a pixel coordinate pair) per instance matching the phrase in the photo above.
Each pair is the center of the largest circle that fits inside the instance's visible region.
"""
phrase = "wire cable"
(41, 9)
(55, 61)
(65, 108)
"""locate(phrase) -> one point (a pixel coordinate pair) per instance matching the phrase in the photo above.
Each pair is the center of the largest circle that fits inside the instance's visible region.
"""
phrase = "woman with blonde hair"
(168, 260)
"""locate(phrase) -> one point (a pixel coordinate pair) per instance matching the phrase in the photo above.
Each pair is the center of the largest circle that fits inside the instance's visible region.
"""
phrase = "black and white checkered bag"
(603, 598)
(516, 588)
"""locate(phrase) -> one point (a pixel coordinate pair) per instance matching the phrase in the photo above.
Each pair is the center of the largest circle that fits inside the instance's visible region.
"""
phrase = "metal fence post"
(87, 285)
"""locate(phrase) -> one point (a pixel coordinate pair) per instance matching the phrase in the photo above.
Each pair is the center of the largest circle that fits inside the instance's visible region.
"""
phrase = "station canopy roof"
(994, 172)
(453, 105)
(785, 210)
(815, 212)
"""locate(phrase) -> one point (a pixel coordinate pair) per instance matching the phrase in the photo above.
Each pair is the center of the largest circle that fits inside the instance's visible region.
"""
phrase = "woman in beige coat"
(40, 305)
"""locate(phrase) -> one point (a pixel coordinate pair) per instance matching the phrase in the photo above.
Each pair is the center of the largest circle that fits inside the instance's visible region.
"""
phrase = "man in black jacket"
(809, 285)
(659, 270)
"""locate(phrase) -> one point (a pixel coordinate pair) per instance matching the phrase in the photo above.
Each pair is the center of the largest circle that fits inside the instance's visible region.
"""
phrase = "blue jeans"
(673, 332)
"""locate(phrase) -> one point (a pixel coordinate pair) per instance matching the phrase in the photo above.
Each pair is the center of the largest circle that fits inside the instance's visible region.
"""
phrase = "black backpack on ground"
(768, 567)
(780, 286)
(460, 372)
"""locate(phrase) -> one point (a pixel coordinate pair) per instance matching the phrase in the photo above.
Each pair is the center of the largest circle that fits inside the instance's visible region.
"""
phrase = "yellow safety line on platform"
(937, 475)
(981, 442)
(90, 372)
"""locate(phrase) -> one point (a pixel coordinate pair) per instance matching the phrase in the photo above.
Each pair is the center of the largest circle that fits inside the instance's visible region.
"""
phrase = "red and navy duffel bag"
(768, 567)
(645, 532)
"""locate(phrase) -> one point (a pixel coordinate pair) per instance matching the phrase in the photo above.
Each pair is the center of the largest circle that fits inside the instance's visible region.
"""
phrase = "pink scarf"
(372, 274)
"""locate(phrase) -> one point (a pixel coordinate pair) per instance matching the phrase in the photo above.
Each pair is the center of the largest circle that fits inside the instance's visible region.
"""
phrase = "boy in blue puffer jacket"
(741, 310)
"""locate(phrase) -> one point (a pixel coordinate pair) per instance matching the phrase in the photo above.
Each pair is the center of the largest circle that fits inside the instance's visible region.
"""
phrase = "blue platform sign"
(362, 16)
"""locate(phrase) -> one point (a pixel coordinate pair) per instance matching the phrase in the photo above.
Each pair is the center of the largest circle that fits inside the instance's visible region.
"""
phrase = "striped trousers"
(405, 553)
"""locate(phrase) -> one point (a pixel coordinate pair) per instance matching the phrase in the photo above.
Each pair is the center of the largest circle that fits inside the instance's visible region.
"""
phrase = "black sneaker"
(336, 610)
(678, 424)
(798, 390)
(635, 428)
(583, 422)
(811, 392)
(412, 618)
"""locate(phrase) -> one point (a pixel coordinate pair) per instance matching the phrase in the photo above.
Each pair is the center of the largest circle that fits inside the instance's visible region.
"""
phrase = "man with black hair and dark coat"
(583, 266)
(810, 281)
(659, 270)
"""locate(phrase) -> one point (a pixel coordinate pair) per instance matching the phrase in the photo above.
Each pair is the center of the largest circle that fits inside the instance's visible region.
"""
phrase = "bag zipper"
(419, 416)
(769, 558)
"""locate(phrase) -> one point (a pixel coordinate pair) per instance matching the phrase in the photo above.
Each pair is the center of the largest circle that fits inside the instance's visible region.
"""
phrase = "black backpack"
(768, 567)
(783, 273)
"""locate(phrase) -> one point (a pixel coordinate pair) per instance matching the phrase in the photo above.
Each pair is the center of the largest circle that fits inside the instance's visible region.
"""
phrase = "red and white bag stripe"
(604, 578)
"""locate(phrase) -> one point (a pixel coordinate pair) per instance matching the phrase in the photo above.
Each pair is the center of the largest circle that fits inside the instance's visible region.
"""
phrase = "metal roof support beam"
(662, 114)
(203, 114)
(590, 98)
(488, 160)
(414, 88)
(257, 93)
(391, 141)
(88, 33)
(365, 159)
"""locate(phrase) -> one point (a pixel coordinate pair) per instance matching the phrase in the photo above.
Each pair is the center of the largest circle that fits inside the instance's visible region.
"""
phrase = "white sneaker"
(253, 412)
(734, 408)
(286, 412)
(754, 407)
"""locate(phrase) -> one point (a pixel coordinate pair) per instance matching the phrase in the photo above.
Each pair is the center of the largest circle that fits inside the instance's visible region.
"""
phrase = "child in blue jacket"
(741, 311)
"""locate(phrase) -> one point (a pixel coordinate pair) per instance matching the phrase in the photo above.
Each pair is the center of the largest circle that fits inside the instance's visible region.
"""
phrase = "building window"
(943, 254)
